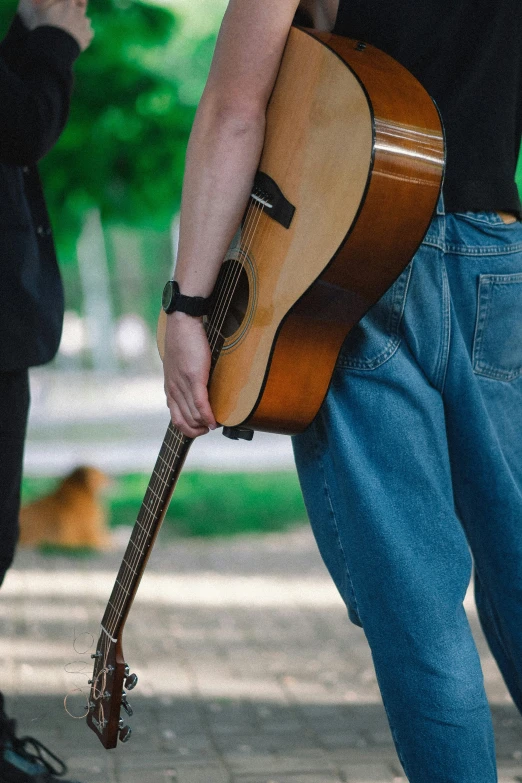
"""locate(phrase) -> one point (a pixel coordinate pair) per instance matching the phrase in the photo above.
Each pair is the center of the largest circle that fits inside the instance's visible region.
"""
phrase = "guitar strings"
(231, 282)
(177, 440)
(169, 443)
(219, 313)
(173, 443)
(226, 293)
(138, 542)
(154, 489)
(70, 696)
(248, 229)
(96, 693)
(78, 667)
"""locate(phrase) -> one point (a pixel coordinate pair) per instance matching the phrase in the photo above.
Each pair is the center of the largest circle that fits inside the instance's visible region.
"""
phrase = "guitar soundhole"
(234, 289)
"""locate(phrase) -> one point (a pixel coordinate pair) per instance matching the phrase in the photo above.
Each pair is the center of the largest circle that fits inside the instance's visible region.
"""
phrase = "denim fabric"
(414, 459)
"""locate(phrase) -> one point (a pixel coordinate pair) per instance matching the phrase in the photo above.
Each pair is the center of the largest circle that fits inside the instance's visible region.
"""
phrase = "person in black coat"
(36, 80)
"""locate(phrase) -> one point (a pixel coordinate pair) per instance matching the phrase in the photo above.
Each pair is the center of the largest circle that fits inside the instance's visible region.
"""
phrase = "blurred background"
(113, 186)
(249, 671)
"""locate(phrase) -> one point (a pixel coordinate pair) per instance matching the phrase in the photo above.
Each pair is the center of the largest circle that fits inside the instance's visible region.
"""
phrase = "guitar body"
(355, 144)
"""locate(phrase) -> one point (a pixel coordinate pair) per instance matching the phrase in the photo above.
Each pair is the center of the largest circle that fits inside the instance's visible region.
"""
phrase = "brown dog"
(71, 516)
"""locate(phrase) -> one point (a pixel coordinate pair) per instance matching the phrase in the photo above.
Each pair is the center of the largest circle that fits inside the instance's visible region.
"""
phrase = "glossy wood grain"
(318, 148)
(396, 211)
(356, 145)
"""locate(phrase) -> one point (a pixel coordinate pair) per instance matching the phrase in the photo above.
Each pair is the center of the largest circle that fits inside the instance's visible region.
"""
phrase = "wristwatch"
(174, 301)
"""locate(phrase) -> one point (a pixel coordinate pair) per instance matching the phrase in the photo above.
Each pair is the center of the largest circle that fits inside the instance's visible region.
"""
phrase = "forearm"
(222, 159)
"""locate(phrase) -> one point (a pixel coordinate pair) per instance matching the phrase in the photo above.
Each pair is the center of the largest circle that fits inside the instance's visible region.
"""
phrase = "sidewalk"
(249, 671)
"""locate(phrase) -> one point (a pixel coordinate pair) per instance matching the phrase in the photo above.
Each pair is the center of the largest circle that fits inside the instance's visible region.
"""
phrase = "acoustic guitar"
(348, 181)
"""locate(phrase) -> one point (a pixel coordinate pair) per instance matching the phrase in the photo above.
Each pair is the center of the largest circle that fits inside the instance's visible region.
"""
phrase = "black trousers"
(14, 409)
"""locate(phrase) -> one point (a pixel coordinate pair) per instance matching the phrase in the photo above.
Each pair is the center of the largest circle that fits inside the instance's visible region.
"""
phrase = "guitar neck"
(164, 477)
(162, 483)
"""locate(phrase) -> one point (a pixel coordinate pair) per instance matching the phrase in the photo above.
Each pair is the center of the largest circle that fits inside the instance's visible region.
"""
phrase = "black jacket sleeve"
(12, 46)
(35, 98)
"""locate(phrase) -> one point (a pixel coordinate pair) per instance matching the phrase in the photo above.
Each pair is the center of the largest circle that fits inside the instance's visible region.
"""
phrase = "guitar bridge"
(271, 199)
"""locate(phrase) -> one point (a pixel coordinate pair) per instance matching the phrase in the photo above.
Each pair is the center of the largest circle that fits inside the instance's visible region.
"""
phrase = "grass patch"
(205, 504)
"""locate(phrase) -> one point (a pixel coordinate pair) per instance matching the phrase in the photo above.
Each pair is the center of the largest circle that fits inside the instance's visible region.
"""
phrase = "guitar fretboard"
(166, 471)
(153, 508)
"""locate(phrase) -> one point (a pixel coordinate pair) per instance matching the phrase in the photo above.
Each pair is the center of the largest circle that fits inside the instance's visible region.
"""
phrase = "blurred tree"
(136, 91)
(124, 146)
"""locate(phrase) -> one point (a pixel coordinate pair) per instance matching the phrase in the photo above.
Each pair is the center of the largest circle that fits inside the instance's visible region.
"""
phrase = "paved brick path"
(249, 670)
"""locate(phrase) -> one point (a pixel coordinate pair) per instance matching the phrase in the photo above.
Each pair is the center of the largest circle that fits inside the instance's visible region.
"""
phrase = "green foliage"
(217, 504)
(206, 504)
(124, 146)
(137, 87)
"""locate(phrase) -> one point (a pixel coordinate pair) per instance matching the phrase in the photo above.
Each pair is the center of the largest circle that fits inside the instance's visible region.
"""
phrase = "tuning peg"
(131, 681)
(126, 706)
(125, 734)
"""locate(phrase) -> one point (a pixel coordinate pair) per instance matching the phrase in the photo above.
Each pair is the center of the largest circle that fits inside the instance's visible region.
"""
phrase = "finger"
(196, 397)
(181, 423)
(181, 394)
(202, 405)
(185, 406)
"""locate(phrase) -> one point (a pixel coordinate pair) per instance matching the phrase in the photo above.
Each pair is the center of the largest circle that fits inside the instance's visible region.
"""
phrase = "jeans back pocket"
(497, 344)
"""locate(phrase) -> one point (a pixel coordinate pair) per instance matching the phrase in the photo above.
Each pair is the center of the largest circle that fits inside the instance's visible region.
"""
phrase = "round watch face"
(168, 296)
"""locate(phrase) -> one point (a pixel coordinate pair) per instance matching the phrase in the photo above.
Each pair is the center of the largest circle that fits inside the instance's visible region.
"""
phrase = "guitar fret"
(140, 550)
(144, 505)
(169, 448)
(114, 608)
(138, 523)
(122, 573)
(163, 468)
(155, 472)
(143, 534)
(149, 489)
(129, 566)
(164, 462)
(172, 447)
(122, 587)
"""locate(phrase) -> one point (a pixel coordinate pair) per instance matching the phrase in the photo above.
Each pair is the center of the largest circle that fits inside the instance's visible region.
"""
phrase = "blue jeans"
(414, 459)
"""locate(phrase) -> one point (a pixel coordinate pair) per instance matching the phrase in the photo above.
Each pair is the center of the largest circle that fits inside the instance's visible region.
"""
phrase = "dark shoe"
(26, 760)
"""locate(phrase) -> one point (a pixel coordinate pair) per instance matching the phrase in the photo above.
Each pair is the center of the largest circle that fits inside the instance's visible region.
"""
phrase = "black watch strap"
(174, 301)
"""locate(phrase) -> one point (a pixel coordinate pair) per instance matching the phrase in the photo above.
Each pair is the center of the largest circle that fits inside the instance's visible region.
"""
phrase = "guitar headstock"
(107, 696)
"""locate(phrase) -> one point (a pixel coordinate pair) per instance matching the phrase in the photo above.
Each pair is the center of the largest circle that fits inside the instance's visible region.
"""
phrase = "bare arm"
(222, 158)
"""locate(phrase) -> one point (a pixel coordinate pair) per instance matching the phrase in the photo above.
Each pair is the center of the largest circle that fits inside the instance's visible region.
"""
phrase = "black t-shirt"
(468, 56)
